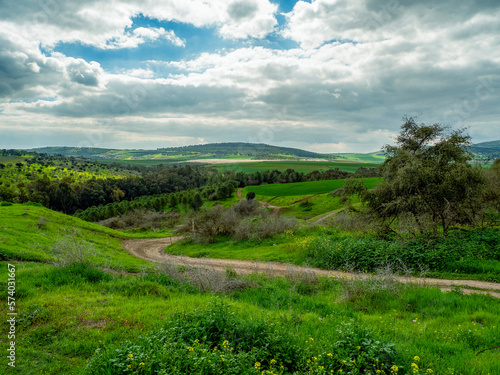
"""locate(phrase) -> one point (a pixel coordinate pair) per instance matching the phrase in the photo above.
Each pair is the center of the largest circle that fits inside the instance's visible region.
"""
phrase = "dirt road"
(153, 250)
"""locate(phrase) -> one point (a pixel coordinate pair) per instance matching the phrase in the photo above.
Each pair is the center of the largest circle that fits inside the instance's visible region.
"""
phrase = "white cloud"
(388, 60)
(134, 38)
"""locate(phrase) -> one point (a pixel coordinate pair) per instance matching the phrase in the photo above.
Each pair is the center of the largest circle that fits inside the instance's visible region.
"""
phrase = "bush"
(5, 204)
(264, 227)
(69, 249)
(458, 253)
(205, 280)
(218, 341)
(143, 219)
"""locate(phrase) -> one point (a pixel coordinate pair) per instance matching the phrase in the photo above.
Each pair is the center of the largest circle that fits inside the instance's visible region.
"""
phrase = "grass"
(283, 248)
(29, 232)
(287, 194)
(79, 318)
(303, 324)
(315, 207)
(374, 157)
(298, 166)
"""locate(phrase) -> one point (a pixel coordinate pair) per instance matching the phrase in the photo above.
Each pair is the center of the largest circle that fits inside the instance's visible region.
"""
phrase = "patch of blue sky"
(285, 6)
(197, 41)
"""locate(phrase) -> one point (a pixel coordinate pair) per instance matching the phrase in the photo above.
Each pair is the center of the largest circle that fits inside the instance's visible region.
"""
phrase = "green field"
(287, 194)
(298, 166)
(374, 157)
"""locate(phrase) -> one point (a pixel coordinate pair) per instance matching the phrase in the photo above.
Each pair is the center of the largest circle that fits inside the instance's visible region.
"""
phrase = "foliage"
(217, 341)
(428, 175)
(472, 252)
(244, 220)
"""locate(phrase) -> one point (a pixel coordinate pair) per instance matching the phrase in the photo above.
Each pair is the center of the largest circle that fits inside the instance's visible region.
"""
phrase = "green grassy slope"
(30, 232)
(286, 194)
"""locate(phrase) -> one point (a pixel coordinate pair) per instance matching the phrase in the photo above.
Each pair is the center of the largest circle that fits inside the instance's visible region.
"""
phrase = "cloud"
(105, 24)
(134, 38)
(358, 68)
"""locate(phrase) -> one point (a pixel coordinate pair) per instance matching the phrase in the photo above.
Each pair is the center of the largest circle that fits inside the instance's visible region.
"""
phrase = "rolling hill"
(236, 150)
(212, 150)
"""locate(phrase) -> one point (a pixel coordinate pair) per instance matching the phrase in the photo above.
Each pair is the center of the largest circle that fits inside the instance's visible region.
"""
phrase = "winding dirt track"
(154, 250)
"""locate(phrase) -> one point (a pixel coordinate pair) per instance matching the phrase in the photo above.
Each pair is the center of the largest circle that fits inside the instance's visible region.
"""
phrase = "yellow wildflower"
(257, 364)
(416, 358)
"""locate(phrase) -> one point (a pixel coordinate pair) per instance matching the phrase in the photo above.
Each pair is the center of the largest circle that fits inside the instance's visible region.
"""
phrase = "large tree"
(428, 178)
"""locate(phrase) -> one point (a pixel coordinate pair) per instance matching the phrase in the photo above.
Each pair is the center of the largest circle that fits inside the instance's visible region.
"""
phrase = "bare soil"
(154, 250)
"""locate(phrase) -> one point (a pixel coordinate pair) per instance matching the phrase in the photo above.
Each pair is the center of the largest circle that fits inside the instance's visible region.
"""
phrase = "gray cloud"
(441, 59)
(242, 10)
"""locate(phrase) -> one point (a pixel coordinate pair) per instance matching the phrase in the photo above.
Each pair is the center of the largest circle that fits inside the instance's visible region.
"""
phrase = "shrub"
(205, 280)
(264, 227)
(460, 252)
(69, 249)
(143, 219)
(216, 340)
(5, 204)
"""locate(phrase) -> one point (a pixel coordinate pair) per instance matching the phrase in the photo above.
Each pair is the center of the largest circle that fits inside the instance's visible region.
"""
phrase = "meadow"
(79, 319)
(298, 166)
(86, 306)
(287, 194)
(34, 233)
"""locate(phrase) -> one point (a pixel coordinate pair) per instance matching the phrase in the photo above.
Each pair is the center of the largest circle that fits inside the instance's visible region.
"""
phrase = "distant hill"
(243, 149)
(211, 150)
(235, 150)
(486, 150)
(491, 144)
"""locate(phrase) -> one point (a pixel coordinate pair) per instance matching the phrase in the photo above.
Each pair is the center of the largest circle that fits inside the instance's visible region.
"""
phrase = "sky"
(322, 75)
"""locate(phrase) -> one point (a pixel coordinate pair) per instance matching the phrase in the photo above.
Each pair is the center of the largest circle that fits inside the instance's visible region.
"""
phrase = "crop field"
(374, 157)
(298, 166)
(287, 194)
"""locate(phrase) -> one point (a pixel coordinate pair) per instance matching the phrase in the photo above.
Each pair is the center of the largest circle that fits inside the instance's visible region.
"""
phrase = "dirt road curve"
(153, 250)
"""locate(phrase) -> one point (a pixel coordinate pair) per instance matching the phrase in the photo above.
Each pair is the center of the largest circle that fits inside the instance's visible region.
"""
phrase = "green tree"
(429, 178)
(173, 201)
(250, 195)
(197, 202)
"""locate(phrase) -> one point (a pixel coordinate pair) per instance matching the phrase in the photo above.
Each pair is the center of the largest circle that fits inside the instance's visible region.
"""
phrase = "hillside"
(217, 150)
(491, 145)
(235, 150)
(35, 233)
